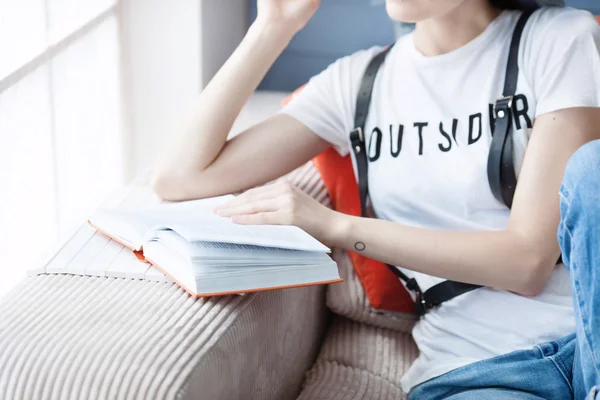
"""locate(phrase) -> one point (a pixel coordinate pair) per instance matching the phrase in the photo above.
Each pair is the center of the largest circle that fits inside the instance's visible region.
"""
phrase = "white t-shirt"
(428, 137)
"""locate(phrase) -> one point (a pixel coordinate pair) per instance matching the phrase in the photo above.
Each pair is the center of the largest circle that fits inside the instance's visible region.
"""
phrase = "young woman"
(437, 217)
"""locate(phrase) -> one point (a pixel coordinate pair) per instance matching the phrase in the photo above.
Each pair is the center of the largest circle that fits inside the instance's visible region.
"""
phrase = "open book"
(210, 255)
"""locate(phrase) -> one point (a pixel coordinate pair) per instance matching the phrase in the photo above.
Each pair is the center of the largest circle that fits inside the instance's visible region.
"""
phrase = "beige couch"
(79, 337)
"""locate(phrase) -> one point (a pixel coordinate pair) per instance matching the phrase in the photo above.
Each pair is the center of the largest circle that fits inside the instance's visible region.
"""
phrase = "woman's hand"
(283, 204)
(291, 14)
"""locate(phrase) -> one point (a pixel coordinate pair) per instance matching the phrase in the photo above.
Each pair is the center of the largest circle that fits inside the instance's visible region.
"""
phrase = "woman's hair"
(509, 4)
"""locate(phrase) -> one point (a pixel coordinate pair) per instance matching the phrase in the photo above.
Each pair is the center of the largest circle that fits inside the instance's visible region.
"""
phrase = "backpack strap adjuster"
(503, 106)
(357, 139)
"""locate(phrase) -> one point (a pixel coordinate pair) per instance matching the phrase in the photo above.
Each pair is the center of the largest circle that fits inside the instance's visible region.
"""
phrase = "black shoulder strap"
(357, 136)
(501, 172)
(501, 166)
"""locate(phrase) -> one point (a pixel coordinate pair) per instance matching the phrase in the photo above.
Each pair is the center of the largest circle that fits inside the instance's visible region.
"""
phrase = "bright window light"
(61, 138)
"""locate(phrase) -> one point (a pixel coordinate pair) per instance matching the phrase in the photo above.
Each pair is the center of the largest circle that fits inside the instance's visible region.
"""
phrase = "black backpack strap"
(501, 166)
(434, 296)
(357, 136)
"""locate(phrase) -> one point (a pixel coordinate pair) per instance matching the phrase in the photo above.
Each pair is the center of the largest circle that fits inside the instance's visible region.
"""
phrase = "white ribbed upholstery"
(349, 299)
(76, 337)
(359, 362)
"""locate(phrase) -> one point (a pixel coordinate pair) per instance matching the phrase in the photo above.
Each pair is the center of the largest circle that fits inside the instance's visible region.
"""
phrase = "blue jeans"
(564, 369)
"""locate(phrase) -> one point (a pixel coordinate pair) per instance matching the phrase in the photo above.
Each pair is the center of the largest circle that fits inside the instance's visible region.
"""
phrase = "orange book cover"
(140, 255)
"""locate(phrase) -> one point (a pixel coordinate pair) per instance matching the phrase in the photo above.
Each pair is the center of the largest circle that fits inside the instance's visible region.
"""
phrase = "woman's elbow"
(535, 277)
(531, 288)
(168, 187)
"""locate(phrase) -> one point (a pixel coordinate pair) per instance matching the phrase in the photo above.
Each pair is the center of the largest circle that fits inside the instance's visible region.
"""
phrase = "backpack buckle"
(421, 305)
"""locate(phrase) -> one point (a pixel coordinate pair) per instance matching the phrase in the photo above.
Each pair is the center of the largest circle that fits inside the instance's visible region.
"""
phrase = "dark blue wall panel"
(340, 27)
(591, 5)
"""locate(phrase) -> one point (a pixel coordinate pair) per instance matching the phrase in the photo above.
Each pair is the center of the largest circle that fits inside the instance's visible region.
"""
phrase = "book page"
(131, 226)
(229, 253)
(204, 226)
(196, 222)
(125, 227)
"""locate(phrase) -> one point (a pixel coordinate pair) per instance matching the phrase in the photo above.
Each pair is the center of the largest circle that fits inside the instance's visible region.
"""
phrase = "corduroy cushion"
(359, 361)
(82, 337)
(348, 298)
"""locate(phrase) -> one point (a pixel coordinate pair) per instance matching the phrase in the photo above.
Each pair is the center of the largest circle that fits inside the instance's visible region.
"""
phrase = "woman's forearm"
(219, 104)
(502, 259)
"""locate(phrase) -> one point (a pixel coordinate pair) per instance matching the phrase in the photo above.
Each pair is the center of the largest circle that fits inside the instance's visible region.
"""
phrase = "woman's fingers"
(254, 195)
(262, 218)
(252, 207)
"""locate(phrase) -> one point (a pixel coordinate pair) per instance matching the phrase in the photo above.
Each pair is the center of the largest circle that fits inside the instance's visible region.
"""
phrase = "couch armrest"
(265, 353)
(86, 337)
(65, 336)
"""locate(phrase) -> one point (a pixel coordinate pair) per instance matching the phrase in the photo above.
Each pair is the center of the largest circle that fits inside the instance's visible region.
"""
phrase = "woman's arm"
(199, 162)
(520, 258)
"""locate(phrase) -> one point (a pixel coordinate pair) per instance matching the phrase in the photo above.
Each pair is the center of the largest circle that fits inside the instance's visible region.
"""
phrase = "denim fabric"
(568, 368)
(543, 372)
(579, 238)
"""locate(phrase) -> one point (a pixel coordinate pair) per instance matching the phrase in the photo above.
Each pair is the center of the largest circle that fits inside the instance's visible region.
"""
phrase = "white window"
(61, 140)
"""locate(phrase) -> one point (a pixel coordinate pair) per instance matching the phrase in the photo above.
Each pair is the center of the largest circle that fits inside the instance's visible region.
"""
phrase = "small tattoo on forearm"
(360, 246)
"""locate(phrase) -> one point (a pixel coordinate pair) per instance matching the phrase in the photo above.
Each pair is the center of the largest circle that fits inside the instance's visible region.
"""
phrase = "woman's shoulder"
(557, 35)
(561, 60)
(346, 71)
(556, 24)
(355, 63)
